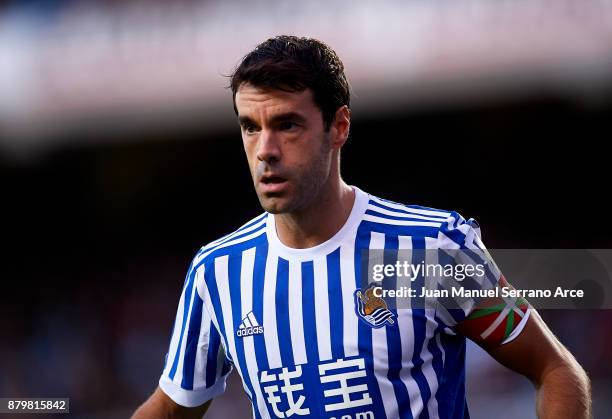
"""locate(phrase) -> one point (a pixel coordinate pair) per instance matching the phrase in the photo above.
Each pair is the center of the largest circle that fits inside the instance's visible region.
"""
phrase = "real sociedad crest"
(373, 310)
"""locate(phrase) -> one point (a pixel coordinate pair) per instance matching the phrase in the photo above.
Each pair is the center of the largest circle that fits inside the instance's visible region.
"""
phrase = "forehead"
(255, 100)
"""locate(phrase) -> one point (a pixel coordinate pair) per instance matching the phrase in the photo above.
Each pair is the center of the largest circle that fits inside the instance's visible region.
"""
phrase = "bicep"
(534, 352)
(513, 333)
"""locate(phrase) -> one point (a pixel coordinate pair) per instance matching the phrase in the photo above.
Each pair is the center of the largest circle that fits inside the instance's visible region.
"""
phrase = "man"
(282, 301)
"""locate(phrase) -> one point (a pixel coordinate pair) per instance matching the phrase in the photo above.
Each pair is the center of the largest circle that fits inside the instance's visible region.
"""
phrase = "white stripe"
(441, 347)
(223, 352)
(446, 243)
(199, 379)
(252, 319)
(380, 220)
(269, 312)
(321, 303)
(500, 318)
(235, 233)
(381, 351)
(404, 254)
(381, 368)
(178, 377)
(431, 258)
(519, 328)
(405, 324)
(404, 242)
(296, 320)
(222, 279)
(246, 283)
(350, 320)
(431, 213)
(199, 258)
(404, 215)
(176, 333)
(203, 290)
(246, 299)
(427, 367)
(406, 329)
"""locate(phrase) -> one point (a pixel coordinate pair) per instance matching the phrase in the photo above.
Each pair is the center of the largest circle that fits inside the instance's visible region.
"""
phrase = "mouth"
(272, 183)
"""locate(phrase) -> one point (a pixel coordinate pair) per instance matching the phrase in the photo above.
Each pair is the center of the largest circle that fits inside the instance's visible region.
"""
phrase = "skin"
(283, 135)
(295, 168)
(563, 387)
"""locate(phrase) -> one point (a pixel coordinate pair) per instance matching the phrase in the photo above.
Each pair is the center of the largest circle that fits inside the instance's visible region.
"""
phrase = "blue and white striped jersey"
(288, 320)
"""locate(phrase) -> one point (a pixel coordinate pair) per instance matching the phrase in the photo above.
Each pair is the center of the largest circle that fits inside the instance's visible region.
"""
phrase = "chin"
(276, 205)
(273, 205)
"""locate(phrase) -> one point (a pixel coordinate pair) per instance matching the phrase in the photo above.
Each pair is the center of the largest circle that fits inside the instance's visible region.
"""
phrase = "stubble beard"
(307, 186)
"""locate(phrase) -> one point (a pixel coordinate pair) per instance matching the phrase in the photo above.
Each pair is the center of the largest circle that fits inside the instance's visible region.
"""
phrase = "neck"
(319, 222)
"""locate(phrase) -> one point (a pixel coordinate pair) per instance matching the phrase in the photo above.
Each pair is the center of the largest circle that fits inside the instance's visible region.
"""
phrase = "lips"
(272, 183)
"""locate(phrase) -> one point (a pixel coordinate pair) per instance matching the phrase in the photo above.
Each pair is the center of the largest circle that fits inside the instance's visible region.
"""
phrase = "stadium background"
(119, 157)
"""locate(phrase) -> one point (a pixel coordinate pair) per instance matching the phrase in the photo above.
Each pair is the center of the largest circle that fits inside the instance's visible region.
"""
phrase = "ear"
(340, 127)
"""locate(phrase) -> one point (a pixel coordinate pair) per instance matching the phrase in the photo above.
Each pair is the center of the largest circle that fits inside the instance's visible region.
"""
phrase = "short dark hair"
(294, 64)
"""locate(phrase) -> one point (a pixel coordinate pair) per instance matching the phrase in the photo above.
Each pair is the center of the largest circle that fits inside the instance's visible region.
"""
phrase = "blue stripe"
(394, 342)
(233, 247)
(309, 312)
(211, 282)
(310, 373)
(408, 207)
(401, 217)
(176, 317)
(362, 242)
(191, 346)
(436, 361)
(230, 246)
(191, 275)
(227, 366)
(259, 272)
(418, 207)
(214, 341)
(406, 210)
(334, 294)
(231, 235)
(452, 386)
(282, 312)
(419, 321)
(388, 228)
(234, 273)
(453, 233)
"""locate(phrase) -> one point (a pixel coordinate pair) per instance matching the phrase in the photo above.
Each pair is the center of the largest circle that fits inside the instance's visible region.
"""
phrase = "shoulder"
(384, 209)
(244, 236)
(378, 202)
(446, 222)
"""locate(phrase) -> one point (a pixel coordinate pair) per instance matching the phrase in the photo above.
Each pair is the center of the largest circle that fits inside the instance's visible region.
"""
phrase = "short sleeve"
(196, 367)
(459, 244)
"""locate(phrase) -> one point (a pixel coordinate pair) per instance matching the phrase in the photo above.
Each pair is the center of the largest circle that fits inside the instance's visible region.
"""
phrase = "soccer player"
(281, 300)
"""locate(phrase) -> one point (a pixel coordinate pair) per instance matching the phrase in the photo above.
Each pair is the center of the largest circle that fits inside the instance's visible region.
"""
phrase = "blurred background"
(120, 156)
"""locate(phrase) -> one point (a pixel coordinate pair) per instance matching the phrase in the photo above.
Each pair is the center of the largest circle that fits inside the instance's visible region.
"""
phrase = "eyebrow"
(289, 116)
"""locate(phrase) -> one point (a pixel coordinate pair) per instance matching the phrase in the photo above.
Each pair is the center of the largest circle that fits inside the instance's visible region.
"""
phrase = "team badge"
(373, 310)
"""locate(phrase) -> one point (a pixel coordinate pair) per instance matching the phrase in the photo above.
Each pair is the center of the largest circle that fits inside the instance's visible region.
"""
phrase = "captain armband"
(497, 322)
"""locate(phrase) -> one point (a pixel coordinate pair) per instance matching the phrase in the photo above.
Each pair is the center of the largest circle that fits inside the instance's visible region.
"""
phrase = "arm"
(160, 406)
(195, 368)
(563, 388)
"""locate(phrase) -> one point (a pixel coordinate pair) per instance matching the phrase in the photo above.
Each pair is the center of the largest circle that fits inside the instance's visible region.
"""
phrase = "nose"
(268, 148)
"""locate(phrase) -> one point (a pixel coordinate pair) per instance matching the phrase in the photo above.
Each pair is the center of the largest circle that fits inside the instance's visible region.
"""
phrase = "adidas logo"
(249, 326)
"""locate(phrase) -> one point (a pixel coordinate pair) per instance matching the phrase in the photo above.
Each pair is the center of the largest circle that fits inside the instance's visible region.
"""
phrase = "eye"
(249, 129)
(287, 125)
